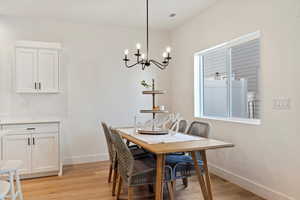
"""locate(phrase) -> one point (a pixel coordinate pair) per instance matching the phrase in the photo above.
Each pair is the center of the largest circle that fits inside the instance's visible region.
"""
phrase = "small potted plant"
(145, 84)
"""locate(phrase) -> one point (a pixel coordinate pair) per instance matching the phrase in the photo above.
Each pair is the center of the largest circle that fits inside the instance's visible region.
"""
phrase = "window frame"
(199, 80)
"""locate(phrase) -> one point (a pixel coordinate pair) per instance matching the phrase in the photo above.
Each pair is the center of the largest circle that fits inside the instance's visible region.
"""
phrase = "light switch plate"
(281, 103)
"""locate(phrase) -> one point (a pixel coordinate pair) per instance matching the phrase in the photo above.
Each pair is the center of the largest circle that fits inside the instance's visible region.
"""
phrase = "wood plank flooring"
(89, 182)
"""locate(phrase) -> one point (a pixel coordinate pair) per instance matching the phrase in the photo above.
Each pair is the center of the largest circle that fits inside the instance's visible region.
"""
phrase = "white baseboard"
(85, 159)
(248, 184)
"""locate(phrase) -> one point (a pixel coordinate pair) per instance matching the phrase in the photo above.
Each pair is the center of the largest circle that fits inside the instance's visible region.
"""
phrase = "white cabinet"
(17, 147)
(37, 145)
(26, 70)
(37, 67)
(48, 70)
(44, 152)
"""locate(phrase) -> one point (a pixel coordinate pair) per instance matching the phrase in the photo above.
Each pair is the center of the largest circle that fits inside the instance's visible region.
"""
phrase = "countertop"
(28, 121)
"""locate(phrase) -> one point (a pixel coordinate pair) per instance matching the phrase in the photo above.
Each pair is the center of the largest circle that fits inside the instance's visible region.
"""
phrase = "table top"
(163, 148)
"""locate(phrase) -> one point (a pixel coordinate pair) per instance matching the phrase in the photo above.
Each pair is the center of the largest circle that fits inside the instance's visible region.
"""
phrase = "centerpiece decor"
(153, 129)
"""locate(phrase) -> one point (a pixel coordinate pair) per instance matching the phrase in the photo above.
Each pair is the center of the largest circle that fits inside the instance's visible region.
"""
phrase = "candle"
(168, 49)
(165, 54)
(126, 51)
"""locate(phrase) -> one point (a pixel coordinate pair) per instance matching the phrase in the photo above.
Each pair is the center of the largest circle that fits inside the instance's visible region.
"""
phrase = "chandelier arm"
(129, 66)
(143, 66)
(159, 65)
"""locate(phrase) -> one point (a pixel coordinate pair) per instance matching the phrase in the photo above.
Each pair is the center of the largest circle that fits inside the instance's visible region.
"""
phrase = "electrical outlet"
(281, 103)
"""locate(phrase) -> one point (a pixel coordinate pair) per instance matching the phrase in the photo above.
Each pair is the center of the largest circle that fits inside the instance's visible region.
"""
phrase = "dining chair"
(201, 129)
(113, 168)
(179, 126)
(10, 168)
(183, 165)
(133, 172)
(111, 151)
(198, 128)
(182, 125)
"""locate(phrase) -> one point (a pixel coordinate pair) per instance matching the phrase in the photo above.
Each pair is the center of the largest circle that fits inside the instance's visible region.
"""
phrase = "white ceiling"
(115, 12)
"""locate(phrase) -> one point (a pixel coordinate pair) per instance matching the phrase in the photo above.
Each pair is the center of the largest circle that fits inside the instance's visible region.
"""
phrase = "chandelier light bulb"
(138, 46)
(143, 56)
(126, 52)
(168, 49)
(165, 54)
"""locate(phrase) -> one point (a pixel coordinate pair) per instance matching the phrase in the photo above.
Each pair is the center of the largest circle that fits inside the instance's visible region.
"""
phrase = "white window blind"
(215, 62)
(245, 62)
(215, 92)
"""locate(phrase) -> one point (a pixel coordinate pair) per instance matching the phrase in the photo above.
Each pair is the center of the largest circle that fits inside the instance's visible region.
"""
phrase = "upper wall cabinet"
(37, 67)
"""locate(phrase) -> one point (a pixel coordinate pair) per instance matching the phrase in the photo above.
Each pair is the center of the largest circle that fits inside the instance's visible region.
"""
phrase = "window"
(226, 80)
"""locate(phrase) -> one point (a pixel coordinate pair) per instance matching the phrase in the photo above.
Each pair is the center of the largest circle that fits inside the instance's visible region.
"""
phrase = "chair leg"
(110, 173)
(120, 181)
(185, 182)
(18, 184)
(114, 182)
(170, 190)
(12, 186)
(130, 193)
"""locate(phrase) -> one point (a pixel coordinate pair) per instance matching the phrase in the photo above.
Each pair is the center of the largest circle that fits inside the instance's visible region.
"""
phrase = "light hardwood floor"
(89, 182)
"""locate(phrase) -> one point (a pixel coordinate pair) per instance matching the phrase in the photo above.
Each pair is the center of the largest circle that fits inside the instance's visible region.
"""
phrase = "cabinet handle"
(35, 85)
(33, 140)
(29, 129)
(40, 85)
(28, 141)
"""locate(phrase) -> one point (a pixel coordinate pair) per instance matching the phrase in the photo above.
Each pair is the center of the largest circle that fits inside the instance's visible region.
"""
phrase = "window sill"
(234, 120)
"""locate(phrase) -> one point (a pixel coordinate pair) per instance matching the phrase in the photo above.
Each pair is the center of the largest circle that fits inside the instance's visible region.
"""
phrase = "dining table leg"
(207, 177)
(200, 177)
(160, 166)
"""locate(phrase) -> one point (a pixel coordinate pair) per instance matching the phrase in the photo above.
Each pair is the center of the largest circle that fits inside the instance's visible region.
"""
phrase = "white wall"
(95, 85)
(266, 157)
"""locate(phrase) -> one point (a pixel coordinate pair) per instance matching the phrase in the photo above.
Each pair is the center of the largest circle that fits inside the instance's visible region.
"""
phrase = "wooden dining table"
(162, 149)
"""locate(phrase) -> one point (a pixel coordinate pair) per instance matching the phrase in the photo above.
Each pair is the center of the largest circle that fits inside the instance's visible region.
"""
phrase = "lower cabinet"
(17, 147)
(39, 151)
(44, 152)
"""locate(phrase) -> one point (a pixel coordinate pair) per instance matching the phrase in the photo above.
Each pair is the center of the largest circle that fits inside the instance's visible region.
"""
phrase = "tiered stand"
(154, 130)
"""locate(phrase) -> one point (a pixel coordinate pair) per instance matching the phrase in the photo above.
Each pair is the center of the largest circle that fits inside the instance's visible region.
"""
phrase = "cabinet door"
(17, 147)
(45, 152)
(48, 69)
(26, 70)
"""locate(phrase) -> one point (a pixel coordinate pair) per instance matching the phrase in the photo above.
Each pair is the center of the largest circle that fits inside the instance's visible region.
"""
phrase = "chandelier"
(144, 60)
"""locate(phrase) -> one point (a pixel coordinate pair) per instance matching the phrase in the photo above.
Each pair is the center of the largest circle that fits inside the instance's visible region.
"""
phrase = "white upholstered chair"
(4, 189)
(10, 169)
